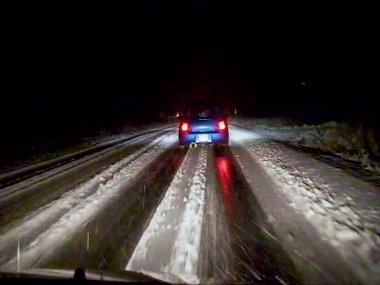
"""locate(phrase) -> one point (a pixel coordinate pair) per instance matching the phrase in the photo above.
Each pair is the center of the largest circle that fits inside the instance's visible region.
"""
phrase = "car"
(203, 125)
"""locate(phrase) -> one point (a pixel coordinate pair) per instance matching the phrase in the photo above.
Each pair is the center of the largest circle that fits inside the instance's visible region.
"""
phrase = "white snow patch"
(79, 205)
(169, 140)
(241, 136)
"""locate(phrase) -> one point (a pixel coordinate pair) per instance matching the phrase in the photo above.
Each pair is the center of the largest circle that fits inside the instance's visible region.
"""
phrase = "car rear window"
(203, 112)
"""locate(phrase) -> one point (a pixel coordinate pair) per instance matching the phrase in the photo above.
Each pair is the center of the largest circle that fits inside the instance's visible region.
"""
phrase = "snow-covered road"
(58, 221)
(264, 211)
(171, 242)
(343, 209)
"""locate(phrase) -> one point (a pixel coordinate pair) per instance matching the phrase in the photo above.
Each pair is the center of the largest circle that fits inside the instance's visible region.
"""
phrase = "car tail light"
(185, 127)
(222, 126)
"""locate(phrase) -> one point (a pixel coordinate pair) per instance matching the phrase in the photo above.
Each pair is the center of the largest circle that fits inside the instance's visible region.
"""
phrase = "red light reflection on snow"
(223, 166)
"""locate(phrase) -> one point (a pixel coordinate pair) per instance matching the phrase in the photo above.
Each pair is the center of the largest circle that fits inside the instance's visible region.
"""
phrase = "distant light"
(177, 115)
(303, 83)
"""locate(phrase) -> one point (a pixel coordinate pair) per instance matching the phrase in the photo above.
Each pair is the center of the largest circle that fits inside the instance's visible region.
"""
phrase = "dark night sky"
(72, 67)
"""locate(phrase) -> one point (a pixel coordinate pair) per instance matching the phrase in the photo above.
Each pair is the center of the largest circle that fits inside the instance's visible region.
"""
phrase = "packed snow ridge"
(183, 256)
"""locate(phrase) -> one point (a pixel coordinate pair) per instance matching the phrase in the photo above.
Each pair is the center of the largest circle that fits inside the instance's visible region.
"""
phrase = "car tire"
(182, 145)
(221, 145)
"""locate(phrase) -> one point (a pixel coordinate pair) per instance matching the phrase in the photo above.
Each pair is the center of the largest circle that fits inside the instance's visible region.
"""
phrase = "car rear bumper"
(185, 139)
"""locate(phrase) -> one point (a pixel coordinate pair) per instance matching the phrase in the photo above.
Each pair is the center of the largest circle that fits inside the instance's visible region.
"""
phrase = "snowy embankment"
(355, 144)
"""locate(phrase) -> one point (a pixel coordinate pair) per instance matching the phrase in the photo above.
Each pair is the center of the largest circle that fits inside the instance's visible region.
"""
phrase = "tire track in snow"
(45, 188)
(216, 259)
(14, 190)
(300, 208)
(109, 239)
(79, 206)
(257, 257)
(170, 245)
(333, 215)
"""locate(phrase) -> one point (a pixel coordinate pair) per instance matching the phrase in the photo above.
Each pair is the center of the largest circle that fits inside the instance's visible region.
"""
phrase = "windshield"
(190, 141)
(203, 112)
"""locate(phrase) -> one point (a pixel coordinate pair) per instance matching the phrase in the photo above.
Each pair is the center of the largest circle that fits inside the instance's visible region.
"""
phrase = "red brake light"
(185, 127)
(222, 125)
